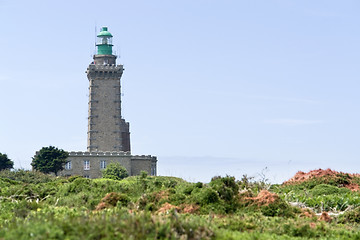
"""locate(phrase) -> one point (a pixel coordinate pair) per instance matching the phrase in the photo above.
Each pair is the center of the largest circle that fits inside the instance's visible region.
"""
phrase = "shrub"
(199, 184)
(144, 180)
(27, 176)
(207, 196)
(158, 183)
(188, 189)
(113, 199)
(227, 190)
(304, 230)
(326, 189)
(170, 183)
(24, 207)
(278, 208)
(115, 171)
(226, 187)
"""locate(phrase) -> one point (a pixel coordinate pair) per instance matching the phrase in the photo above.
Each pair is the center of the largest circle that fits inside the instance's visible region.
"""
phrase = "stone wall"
(143, 163)
(78, 159)
(133, 164)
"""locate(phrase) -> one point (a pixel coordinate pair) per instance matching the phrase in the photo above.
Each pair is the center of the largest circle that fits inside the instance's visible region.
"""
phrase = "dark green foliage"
(326, 189)
(27, 176)
(49, 160)
(85, 192)
(343, 179)
(149, 202)
(33, 207)
(188, 189)
(303, 230)
(117, 224)
(177, 198)
(123, 200)
(143, 179)
(5, 162)
(5, 184)
(237, 224)
(158, 183)
(115, 171)
(352, 216)
(227, 190)
(226, 187)
(79, 185)
(278, 208)
(171, 183)
(73, 178)
(207, 196)
(321, 196)
(143, 174)
(116, 199)
(199, 185)
(24, 207)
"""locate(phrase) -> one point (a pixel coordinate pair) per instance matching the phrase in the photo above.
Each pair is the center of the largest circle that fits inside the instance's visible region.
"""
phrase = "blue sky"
(210, 87)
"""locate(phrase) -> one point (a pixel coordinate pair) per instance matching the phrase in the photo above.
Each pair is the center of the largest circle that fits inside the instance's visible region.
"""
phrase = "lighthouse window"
(104, 40)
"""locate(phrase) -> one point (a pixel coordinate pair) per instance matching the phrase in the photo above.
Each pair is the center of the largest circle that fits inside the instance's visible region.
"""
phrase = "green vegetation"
(39, 206)
(5, 162)
(49, 160)
(115, 171)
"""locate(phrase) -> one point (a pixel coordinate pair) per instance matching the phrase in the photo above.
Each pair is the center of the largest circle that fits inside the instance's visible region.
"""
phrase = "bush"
(188, 190)
(207, 196)
(199, 185)
(326, 189)
(226, 187)
(113, 199)
(227, 190)
(278, 208)
(115, 171)
(27, 176)
(303, 230)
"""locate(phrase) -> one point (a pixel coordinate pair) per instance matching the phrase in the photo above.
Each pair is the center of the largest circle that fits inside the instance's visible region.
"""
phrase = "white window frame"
(86, 165)
(68, 165)
(103, 164)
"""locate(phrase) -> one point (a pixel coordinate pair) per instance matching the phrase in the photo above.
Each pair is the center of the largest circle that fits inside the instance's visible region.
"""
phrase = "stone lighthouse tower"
(108, 136)
(107, 130)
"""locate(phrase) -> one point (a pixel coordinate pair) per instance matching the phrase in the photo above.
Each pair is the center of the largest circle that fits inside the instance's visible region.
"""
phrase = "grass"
(38, 206)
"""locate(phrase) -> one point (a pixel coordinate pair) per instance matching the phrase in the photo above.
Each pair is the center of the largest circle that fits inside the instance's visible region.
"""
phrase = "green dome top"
(104, 32)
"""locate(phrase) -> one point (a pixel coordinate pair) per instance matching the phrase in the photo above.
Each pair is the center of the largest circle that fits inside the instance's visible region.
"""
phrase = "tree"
(49, 159)
(115, 171)
(5, 162)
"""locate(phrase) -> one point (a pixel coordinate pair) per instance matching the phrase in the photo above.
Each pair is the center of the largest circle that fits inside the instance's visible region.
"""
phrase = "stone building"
(108, 136)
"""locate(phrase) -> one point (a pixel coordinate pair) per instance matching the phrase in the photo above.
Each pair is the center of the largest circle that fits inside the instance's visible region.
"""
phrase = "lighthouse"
(107, 130)
(108, 136)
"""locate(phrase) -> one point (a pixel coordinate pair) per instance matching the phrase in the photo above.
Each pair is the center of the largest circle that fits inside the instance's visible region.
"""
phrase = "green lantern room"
(104, 42)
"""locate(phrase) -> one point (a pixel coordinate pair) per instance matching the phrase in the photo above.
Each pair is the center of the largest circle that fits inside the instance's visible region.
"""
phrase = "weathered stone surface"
(108, 133)
(107, 130)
